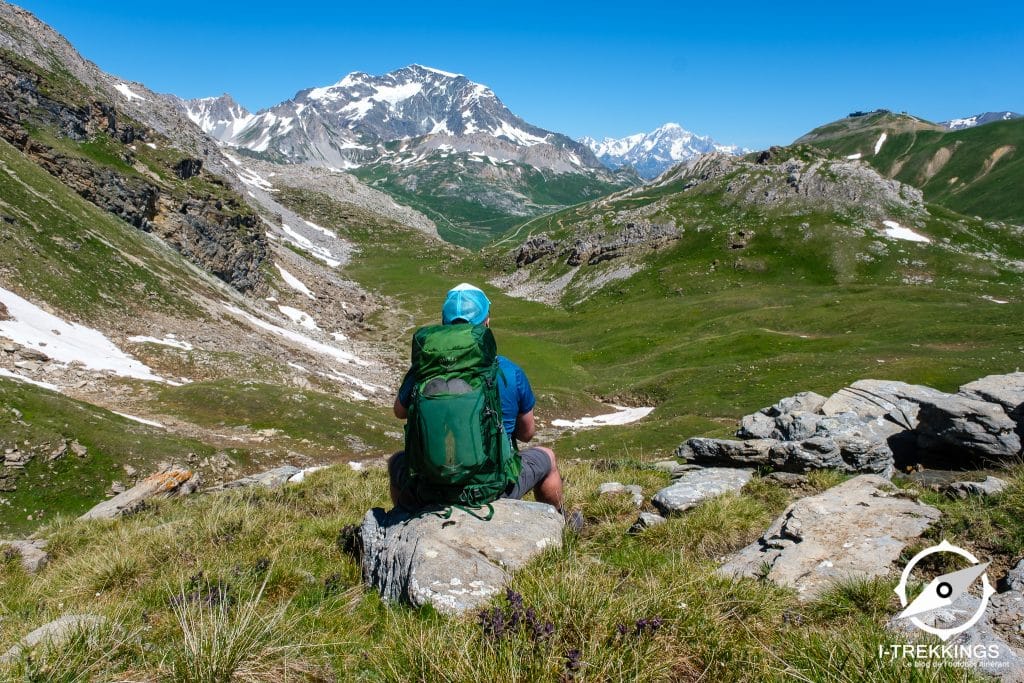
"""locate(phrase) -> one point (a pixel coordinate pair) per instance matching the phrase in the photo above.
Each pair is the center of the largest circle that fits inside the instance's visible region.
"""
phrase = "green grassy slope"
(257, 585)
(976, 171)
(70, 485)
(473, 199)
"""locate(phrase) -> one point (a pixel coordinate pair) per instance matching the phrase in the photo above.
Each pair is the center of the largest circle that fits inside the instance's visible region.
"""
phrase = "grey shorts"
(536, 466)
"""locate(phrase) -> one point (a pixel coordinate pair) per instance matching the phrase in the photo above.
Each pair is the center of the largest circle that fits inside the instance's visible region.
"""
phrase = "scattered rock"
(965, 489)
(33, 553)
(56, 633)
(967, 430)
(697, 486)
(78, 449)
(856, 529)
(646, 520)
(454, 564)
(59, 452)
(173, 482)
(271, 479)
(789, 480)
(614, 488)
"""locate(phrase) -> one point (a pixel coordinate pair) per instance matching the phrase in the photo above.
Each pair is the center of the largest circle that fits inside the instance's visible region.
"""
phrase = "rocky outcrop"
(871, 399)
(873, 426)
(456, 563)
(966, 430)
(801, 176)
(819, 452)
(697, 486)
(601, 245)
(173, 482)
(854, 530)
(216, 232)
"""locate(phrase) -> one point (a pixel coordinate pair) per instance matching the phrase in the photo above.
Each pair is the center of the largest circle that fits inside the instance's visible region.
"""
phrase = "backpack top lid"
(467, 303)
(450, 349)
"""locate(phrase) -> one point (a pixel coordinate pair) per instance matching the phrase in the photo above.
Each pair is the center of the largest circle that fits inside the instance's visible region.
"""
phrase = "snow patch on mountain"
(67, 342)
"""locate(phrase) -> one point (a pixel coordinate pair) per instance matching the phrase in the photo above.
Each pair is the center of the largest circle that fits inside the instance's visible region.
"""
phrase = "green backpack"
(455, 445)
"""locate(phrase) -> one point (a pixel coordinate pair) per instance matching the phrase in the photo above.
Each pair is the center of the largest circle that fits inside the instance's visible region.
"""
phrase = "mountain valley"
(187, 286)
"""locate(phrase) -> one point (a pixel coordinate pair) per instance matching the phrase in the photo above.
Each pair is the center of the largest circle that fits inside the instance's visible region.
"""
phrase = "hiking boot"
(574, 521)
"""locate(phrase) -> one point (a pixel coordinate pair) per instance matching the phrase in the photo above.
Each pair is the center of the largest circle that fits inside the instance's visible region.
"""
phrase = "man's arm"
(525, 428)
(401, 412)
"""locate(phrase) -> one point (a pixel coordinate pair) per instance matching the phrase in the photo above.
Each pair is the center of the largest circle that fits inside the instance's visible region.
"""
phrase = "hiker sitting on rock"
(465, 409)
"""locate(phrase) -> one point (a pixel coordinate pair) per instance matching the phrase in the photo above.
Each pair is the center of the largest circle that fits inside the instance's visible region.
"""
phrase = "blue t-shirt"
(513, 388)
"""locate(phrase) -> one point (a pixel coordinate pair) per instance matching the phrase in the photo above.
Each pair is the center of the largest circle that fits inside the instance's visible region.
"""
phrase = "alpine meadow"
(783, 387)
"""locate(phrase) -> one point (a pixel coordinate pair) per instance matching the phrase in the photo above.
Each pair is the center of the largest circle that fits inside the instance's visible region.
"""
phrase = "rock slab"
(55, 633)
(697, 486)
(32, 553)
(853, 530)
(454, 564)
(172, 482)
(271, 479)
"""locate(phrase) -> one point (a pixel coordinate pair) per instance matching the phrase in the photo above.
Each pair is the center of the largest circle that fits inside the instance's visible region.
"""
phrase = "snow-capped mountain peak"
(221, 117)
(980, 119)
(351, 122)
(651, 154)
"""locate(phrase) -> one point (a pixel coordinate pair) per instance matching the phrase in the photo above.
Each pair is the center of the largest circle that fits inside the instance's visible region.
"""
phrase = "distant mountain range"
(980, 119)
(651, 154)
(354, 121)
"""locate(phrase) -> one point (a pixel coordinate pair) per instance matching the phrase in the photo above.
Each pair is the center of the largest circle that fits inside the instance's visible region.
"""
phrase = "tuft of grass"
(221, 640)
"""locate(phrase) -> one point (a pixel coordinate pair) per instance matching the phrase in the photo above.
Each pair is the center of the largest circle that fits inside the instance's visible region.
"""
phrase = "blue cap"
(465, 303)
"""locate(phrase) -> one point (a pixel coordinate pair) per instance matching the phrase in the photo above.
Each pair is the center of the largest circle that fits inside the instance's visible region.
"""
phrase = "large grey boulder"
(870, 399)
(454, 564)
(697, 486)
(850, 454)
(54, 634)
(172, 482)
(32, 554)
(856, 529)
(967, 429)
(1006, 390)
(1005, 610)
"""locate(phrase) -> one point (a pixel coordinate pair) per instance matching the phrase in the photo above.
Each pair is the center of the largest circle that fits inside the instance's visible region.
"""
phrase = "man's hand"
(401, 412)
(525, 428)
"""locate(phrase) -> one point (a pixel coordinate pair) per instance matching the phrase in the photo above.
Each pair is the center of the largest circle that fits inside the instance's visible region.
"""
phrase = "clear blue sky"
(750, 73)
